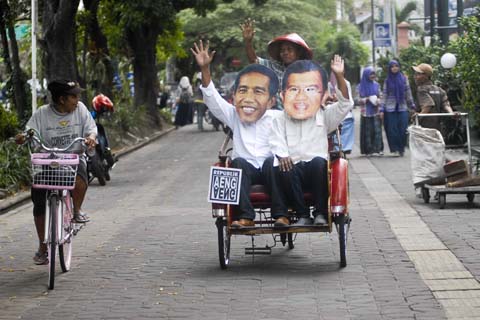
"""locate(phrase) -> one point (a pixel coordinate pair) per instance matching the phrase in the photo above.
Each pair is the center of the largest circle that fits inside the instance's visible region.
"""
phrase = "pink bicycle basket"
(54, 171)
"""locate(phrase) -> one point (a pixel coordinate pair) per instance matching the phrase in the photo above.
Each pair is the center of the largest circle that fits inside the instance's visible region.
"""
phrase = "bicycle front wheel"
(52, 239)
(65, 248)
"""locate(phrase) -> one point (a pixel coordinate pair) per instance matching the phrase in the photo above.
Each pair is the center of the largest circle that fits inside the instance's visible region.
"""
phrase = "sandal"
(40, 258)
(81, 217)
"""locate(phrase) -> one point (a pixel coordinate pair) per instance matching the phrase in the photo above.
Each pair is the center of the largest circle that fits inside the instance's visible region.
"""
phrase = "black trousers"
(250, 176)
(287, 188)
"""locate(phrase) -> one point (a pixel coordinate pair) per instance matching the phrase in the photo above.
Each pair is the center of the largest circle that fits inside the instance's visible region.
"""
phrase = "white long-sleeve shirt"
(250, 140)
(303, 140)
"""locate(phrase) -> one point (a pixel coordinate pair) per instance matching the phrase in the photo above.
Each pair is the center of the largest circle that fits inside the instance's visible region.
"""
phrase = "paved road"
(151, 251)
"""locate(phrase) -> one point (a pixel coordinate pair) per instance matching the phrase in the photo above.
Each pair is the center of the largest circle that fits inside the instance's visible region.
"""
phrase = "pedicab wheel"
(223, 243)
(290, 241)
(470, 197)
(342, 225)
(425, 195)
(442, 199)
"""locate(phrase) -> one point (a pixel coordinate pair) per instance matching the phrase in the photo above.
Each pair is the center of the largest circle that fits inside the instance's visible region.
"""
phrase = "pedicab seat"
(261, 199)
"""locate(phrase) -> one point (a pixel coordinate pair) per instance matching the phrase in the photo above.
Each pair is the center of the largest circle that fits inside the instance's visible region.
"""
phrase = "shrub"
(14, 166)
(166, 115)
(9, 125)
(127, 116)
(468, 65)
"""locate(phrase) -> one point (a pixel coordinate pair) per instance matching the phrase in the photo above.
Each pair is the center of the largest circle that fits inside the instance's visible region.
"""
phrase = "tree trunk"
(19, 83)
(100, 45)
(143, 41)
(6, 49)
(12, 62)
(59, 39)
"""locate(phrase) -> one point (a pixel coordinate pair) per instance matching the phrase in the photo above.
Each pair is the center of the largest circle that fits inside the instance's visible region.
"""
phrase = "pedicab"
(442, 185)
(338, 214)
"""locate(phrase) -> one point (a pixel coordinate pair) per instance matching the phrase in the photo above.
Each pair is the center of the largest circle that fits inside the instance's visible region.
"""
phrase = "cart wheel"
(283, 238)
(425, 195)
(223, 242)
(290, 241)
(442, 199)
(470, 197)
(342, 225)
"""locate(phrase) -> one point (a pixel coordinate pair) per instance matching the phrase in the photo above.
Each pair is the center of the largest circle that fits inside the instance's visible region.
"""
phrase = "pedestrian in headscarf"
(184, 114)
(396, 97)
(368, 92)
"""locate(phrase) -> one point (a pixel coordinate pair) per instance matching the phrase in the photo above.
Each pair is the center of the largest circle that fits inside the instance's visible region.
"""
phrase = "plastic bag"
(427, 150)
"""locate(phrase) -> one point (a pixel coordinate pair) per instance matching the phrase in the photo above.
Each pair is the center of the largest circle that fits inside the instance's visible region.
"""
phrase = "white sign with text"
(224, 185)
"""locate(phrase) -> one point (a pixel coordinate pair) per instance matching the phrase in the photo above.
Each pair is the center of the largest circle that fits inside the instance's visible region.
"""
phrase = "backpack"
(184, 96)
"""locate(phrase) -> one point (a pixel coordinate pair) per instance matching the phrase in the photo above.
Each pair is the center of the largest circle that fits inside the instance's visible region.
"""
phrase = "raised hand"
(248, 29)
(202, 54)
(337, 65)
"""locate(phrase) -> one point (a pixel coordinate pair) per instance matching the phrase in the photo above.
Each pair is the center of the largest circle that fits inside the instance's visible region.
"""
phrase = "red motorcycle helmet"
(101, 103)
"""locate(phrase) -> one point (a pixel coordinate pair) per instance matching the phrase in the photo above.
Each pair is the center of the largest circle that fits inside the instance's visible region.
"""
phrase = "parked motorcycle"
(102, 161)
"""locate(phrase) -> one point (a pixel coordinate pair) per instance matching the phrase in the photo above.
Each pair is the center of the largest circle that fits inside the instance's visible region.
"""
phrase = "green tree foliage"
(135, 26)
(14, 166)
(403, 14)
(9, 124)
(13, 161)
(17, 89)
(468, 64)
(273, 18)
(345, 41)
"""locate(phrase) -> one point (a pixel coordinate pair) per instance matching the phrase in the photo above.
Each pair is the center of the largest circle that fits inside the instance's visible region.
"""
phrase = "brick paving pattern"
(151, 253)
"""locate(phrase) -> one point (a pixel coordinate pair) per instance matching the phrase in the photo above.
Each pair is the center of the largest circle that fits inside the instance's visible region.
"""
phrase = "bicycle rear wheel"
(52, 239)
(65, 249)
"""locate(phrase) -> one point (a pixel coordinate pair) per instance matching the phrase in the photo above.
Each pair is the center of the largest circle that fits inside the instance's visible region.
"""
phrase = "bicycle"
(55, 171)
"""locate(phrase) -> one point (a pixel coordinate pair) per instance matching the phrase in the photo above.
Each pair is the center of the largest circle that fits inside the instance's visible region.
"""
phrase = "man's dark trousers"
(250, 176)
(289, 187)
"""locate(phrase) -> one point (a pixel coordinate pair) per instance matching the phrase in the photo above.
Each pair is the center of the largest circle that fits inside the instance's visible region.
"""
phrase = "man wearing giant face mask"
(250, 119)
(299, 138)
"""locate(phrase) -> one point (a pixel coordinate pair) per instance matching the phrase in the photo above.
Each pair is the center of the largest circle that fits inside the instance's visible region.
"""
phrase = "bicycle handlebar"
(32, 134)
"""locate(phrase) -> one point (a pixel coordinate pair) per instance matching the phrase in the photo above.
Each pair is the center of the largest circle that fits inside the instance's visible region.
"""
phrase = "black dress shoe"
(303, 222)
(320, 220)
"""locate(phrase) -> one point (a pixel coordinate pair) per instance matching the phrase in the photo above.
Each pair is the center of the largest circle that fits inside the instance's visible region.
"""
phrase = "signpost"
(382, 35)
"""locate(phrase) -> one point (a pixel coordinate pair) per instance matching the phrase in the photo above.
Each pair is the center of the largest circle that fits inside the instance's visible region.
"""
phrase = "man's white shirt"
(250, 140)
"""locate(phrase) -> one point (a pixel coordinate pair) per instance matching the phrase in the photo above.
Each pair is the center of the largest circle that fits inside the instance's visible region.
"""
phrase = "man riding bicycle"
(58, 124)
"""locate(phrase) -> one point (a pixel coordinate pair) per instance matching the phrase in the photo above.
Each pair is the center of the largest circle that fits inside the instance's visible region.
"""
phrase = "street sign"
(382, 31)
(224, 185)
(382, 35)
(383, 43)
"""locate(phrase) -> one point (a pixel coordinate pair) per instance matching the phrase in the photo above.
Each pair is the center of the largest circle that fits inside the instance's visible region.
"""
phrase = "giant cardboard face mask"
(252, 98)
(303, 94)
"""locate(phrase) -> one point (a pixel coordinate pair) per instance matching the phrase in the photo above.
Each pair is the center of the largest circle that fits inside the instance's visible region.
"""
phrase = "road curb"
(20, 197)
